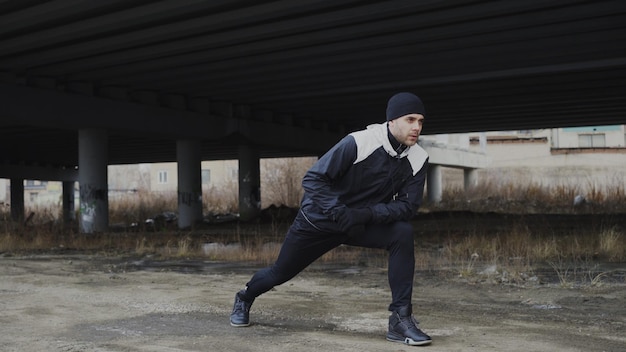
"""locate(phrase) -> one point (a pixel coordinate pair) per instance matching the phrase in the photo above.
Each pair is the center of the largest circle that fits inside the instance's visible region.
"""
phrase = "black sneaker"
(240, 316)
(403, 328)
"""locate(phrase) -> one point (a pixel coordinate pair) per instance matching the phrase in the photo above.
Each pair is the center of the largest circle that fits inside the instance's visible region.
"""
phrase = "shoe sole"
(410, 342)
(239, 325)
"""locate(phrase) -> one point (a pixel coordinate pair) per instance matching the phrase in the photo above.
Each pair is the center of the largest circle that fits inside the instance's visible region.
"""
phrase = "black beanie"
(403, 104)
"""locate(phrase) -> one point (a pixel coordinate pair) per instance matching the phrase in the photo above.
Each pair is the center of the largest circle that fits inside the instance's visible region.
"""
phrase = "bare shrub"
(223, 199)
(137, 207)
(281, 180)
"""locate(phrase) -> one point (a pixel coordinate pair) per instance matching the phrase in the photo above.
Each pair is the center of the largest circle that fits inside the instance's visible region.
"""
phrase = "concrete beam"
(24, 105)
(456, 158)
(295, 137)
(47, 173)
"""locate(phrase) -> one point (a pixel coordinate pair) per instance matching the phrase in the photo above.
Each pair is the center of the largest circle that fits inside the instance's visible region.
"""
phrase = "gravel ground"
(92, 303)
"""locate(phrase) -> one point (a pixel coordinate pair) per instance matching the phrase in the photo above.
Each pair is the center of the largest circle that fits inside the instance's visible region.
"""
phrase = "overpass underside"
(135, 81)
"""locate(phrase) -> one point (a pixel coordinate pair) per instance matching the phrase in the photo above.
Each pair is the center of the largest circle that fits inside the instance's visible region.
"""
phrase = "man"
(362, 192)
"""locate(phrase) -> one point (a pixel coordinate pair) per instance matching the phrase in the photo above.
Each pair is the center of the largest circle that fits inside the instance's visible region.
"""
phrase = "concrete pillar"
(249, 183)
(17, 199)
(3, 191)
(433, 183)
(189, 182)
(482, 139)
(470, 178)
(92, 177)
(68, 202)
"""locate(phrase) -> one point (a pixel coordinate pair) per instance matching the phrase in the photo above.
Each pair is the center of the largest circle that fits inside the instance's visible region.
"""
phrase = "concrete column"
(92, 177)
(249, 183)
(433, 183)
(189, 182)
(17, 199)
(470, 178)
(68, 202)
(3, 190)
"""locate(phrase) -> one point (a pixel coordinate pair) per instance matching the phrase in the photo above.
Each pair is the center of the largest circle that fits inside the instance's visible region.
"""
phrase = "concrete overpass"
(84, 84)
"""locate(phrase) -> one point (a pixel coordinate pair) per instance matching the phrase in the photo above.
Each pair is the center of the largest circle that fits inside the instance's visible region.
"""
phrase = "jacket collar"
(385, 137)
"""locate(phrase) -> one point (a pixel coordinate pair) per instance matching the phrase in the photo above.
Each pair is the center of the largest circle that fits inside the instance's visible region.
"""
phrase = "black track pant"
(304, 244)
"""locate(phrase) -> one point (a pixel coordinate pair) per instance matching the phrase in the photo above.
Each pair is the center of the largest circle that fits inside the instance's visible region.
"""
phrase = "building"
(582, 157)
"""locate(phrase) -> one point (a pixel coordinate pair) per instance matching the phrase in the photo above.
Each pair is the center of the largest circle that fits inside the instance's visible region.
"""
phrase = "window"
(206, 176)
(162, 176)
(234, 173)
(35, 184)
(591, 140)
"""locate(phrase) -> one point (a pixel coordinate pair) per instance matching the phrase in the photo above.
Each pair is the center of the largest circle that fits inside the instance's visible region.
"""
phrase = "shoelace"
(410, 322)
(241, 306)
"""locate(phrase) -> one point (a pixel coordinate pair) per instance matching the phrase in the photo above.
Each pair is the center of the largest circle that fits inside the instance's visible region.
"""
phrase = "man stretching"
(362, 192)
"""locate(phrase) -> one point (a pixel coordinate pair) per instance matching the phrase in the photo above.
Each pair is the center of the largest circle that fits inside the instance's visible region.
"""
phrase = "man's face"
(406, 129)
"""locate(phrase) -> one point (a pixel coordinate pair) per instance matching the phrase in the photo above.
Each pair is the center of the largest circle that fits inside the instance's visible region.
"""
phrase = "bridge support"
(433, 183)
(68, 202)
(92, 177)
(249, 183)
(17, 199)
(470, 179)
(188, 156)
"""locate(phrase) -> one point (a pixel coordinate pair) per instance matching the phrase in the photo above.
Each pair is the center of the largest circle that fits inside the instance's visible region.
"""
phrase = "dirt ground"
(76, 302)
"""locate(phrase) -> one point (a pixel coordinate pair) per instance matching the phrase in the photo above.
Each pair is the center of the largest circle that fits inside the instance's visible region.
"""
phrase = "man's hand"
(352, 220)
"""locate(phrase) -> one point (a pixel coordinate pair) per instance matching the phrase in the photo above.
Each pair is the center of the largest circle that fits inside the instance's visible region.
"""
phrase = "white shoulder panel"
(366, 144)
(417, 157)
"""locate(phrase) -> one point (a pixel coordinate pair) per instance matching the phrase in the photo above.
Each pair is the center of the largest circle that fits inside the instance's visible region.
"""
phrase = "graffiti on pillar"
(89, 196)
(253, 200)
(87, 214)
(189, 198)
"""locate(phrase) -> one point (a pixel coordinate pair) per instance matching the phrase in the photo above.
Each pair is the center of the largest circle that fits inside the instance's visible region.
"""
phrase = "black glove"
(352, 220)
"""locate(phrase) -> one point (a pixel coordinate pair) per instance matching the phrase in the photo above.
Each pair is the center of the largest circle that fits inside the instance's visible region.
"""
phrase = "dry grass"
(135, 208)
(534, 198)
(575, 256)
(611, 245)
(513, 252)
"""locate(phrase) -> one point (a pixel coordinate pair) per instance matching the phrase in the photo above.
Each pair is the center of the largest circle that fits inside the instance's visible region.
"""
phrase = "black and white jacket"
(364, 170)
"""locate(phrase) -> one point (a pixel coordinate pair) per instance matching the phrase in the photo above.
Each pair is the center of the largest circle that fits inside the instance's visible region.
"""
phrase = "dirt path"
(82, 303)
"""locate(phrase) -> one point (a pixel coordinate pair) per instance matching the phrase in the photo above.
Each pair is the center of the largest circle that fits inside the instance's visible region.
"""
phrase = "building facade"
(582, 157)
